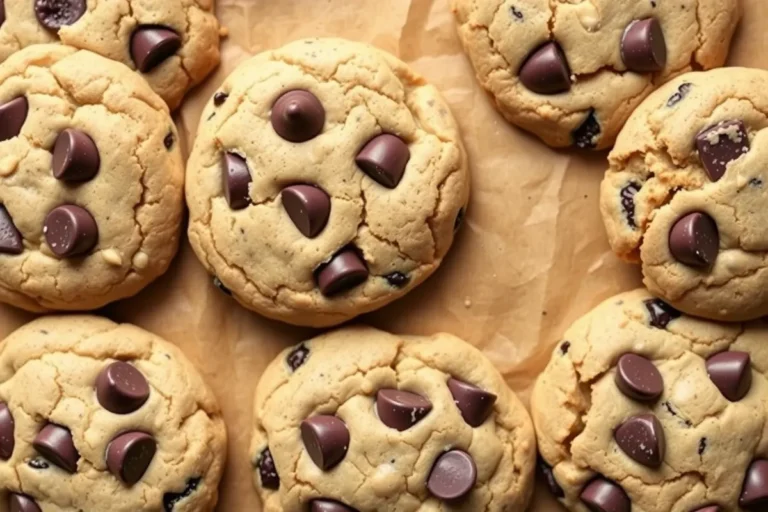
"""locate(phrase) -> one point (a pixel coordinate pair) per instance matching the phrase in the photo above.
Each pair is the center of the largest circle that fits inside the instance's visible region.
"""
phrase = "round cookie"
(684, 192)
(573, 72)
(327, 180)
(359, 419)
(173, 44)
(91, 181)
(645, 409)
(100, 416)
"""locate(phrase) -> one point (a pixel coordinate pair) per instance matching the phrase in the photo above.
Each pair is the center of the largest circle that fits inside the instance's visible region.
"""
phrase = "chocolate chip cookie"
(645, 409)
(359, 419)
(91, 180)
(327, 180)
(174, 44)
(100, 416)
(573, 72)
(684, 190)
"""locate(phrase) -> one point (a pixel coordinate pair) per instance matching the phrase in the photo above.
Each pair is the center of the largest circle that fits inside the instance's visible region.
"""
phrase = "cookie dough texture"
(107, 26)
(257, 252)
(136, 197)
(384, 469)
(656, 176)
(48, 371)
(499, 35)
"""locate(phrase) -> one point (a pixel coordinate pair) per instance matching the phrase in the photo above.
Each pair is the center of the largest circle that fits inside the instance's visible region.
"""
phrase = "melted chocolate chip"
(680, 95)
(564, 347)
(326, 439)
(546, 70)
(515, 13)
(702, 445)
(586, 136)
(453, 475)
(297, 357)
(219, 98)
(628, 202)
(267, 470)
(756, 182)
(754, 493)
(54, 14)
(38, 463)
(7, 428)
(398, 279)
(153, 44)
(10, 238)
(546, 474)
(168, 141)
(661, 313)
(170, 499)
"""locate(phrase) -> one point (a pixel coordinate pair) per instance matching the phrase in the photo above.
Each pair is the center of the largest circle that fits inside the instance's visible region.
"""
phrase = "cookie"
(91, 181)
(573, 72)
(327, 180)
(100, 416)
(683, 191)
(358, 419)
(173, 44)
(643, 408)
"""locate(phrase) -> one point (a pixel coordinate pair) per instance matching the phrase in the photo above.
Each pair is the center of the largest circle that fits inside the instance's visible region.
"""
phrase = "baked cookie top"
(326, 180)
(173, 44)
(359, 419)
(91, 180)
(100, 416)
(572, 72)
(684, 191)
(642, 408)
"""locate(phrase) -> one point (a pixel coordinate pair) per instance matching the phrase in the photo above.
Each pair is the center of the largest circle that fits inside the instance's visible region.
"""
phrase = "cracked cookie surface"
(572, 71)
(410, 406)
(63, 448)
(326, 180)
(684, 190)
(91, 181)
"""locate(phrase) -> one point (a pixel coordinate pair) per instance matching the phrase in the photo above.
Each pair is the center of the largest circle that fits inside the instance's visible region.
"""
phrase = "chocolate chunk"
(121, 388)
(400, 409)
(587, 134)
(638, 378)
(129, 455)
(22, 503)
(702, 445)
(661, 313)
(754, 493)
(397, 279)
(474, 403)
(329, 506)
(680, 95)
(38, 463)
(709, 508)
(223, 289)
(297, 357)
(642, 438)
(564, 347)
(602, 495)
(308, 207)
(452, 476)
(55, 444)
(546, 70)
(546, 474)
(459, 220)
(54, 14)
(170, 499)
(10, 238)
(326, 439)
(345, 271)
(628, 202)
(267, 470)
(720, 145)
(298, 116)
(168, 141)
(12, 117)
(643, 48)
(731, 372)
(219, 98)
(75, 156)
(694, 240)
(236, 181)
(151, 45)
(70, 231)
(384, 159)
(7, 426)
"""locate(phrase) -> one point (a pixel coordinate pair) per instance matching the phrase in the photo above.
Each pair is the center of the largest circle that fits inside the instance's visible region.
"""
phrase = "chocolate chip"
(55, 443)
(709, 508)
(223, 289)
(694, 240)
(298, 116)
(459, 220)
(642, 438)
(151, 45)
(397, 279)
(326, 439)
(702, 445)
(308, 207)
(602, 495)
(643, 48)
(546, 474)
(345, 271)
(219, 98)
(121, 388)
(754, 493)
(54, 14)
(756, 182)
(546, 70)
(628, 202)
(7, 426)
(12, 117)
(129, 455)
(38, 463)
(170, 499)
(70, 231)
(297, 357)
(452, 476)
(267, 470)
(22, 503)
(474, 403)
(731, 372)
(661, 313)
(400, 409)
(329, 506)
(564, 347)
(10, 238)
(720, 145)
(75, 156)
(638, 378)
(682, 92)
(168, 141)
(384, 159)
(587, 135)
(236, 181)
(517, 14)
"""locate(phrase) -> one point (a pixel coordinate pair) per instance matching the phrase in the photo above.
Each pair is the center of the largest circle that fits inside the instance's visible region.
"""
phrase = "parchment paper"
(531, 258)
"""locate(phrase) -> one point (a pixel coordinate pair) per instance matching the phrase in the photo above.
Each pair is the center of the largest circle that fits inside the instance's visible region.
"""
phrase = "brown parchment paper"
(531, 258)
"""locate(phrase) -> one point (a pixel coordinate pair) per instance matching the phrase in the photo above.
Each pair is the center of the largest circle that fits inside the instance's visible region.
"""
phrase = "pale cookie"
(572, 71)
(173, 44)
(96, 416)
(362, 420)
(91, 181)
(327, 180)
(644, 409)
(685, 191)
